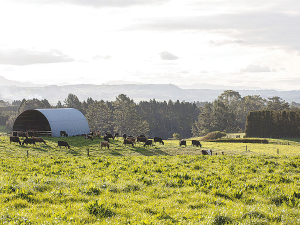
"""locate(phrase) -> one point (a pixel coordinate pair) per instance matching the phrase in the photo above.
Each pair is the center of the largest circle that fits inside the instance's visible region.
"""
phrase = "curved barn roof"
(62, 119)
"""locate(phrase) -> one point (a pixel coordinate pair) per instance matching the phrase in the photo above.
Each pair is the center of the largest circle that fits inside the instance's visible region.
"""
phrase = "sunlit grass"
(163, 184)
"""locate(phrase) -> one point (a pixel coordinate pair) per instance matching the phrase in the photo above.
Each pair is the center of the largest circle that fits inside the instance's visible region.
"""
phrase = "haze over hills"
(13, 90)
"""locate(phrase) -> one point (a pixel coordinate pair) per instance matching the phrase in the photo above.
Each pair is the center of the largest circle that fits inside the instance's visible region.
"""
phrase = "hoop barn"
(52, 121)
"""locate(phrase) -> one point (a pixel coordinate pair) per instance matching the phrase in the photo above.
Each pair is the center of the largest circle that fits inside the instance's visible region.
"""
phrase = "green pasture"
(162, 184)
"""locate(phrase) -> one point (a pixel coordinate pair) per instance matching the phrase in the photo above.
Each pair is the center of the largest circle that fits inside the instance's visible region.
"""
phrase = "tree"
(33, 104)
(126, 118)
(73, 102)
(277, 104)
(99, 116)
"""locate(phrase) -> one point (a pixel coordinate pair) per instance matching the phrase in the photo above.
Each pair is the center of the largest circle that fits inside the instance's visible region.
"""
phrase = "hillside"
(12, 90)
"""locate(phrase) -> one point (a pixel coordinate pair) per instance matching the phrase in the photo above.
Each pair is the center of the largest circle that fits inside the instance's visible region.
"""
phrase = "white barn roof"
(62, 119)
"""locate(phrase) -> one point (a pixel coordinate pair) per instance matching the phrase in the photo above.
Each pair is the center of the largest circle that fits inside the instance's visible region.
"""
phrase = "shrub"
(99, 210)
(176, 136)
(214, 135)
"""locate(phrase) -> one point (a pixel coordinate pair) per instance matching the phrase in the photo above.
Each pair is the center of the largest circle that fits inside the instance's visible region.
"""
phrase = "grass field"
(163, 184)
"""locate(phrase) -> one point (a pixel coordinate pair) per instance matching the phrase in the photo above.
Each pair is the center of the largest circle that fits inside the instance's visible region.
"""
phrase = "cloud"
(226, 42)
(28, 57)
(101, 57)
(265, 28)
(255, 69)
(167, 56)
(97, 3)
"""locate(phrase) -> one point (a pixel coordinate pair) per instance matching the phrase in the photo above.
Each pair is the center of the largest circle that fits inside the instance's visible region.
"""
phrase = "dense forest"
(166, 119)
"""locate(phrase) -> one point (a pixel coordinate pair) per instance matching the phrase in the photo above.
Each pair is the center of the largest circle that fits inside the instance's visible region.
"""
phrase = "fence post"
(246, 148)
(27, 154)
(88, 152)
(277, 151)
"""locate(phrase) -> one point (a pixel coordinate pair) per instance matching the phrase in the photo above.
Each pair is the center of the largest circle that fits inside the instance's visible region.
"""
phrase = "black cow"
(15, 139)
(142, 135)
(141, 139)
(109, 135)
(88, 136)
(63, 143)
(148, 142)
(29, 141)
(128, 142)
(124, 136)
(105, 137)
(15, 133)
(63, 133)
(182, 142)
(116, 135)
(196, 143)
(158, 139)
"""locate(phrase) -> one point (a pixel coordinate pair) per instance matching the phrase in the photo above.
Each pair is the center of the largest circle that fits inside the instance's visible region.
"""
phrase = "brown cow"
(88, 136)
(128, 142)
(131, 139)
(39, 139)
(104, 144)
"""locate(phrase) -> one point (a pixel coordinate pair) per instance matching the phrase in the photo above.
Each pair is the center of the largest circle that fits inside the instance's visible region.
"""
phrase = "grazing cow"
(206, 152)
(97, 134)
(158, 139)
(128, 142)
(196, 143)
(29, 141)
(141, 139)
(148, 142)
(124, 136)
(116, 135)
(88, 136)
(109, 135)
(104, 144)
(182, 142)
(39, 139)
(141, 135)
(14, 139)
(105, 137)
(63, 133)
(63, 143)
(131, 139)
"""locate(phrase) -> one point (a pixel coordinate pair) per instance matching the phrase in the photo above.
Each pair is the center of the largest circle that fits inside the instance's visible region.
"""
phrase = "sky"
(241, 43)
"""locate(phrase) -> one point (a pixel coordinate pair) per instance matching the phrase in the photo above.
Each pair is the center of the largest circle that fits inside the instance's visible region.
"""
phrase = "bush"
(214, 135)
(176, 136)
(99, 210)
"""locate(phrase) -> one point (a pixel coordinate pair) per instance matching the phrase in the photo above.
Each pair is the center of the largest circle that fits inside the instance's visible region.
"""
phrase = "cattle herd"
(29, 138)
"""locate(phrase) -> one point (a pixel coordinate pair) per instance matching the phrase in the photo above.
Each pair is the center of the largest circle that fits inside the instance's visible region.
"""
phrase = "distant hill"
(10, 91)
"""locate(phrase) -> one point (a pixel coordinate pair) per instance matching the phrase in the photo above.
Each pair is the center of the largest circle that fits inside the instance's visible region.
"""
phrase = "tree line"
(227, 113)
(273, 124)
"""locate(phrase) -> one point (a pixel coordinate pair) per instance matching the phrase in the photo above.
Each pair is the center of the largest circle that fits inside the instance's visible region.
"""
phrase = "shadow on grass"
(115, 153)
(149, 151)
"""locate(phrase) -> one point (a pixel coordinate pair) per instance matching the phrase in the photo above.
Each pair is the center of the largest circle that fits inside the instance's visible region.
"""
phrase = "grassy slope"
(173, 185)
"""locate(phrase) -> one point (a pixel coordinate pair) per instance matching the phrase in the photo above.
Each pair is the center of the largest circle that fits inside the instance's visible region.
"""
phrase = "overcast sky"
(249, 43)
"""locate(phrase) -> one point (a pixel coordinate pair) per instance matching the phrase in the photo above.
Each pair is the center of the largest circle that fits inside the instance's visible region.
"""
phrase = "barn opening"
(32, 120)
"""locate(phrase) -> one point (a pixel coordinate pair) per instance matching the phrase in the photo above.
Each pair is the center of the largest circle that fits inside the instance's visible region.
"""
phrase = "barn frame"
(52, 121)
